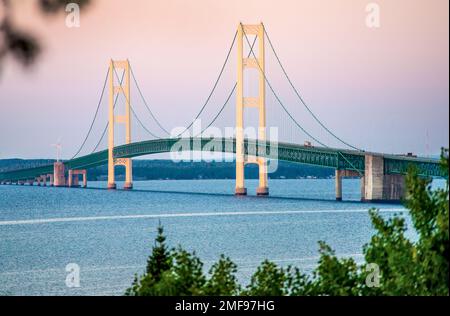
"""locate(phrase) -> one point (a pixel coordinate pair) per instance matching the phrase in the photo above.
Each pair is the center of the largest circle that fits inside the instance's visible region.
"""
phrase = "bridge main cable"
(132, 110)
(285, 109)
(207, 99)
(95, 117)
(275, 94)
(146, 104)
(198, 115)
(303, 101)
(214, 87)
(226, 101)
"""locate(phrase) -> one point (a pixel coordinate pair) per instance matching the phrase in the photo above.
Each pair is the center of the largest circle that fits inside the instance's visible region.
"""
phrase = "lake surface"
(109, 234)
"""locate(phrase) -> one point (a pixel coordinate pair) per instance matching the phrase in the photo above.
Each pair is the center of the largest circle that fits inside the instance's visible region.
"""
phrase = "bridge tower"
(258, 102)
(115, 89)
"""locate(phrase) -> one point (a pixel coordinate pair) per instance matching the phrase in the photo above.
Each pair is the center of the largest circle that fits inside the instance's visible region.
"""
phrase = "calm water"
(109, 234)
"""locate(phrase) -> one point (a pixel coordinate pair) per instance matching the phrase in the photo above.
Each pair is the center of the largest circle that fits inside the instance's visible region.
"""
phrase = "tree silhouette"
(20, 44)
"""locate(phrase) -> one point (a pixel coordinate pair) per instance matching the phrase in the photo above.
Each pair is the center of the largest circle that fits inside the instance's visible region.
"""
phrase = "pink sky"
(381, 89)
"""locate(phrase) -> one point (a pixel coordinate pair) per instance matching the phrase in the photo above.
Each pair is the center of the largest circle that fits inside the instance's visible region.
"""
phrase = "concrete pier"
(262, 191)
(241, 191)
(376, 186)
(73, 180)
(338, 185)
(44, 180)
(379, 186)
(339, 174)
(58, 174)
(51, 179)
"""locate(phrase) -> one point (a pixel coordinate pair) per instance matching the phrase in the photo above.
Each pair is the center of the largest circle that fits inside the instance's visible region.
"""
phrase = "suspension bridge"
(382, 175)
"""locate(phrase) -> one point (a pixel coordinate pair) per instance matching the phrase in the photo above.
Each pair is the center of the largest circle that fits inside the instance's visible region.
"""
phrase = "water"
(109, 234)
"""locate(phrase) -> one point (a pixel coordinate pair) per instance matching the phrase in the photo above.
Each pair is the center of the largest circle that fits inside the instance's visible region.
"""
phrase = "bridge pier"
(381, 187)
(59, 179)
(339, 174)
(363, 188)
(73, 180)
(262, 191)
(338, 185)
(51, 179)
(240, 191)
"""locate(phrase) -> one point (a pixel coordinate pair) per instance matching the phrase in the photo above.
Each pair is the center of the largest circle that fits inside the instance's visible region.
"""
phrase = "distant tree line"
(16, 164)
(167, 169)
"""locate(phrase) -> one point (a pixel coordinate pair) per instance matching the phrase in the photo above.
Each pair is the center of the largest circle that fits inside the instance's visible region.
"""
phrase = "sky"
(382, 89)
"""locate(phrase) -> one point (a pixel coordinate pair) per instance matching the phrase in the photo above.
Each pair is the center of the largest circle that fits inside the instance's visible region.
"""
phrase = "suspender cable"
(143, 126)
(101, 138)
(146, 104)
(95, 117)
(132, 110)
(226, 101)
(302, 100)
(275, 94)
(214, 87)
(220, 111)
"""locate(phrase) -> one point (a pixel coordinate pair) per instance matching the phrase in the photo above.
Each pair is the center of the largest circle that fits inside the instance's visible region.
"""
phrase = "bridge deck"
(318, 156)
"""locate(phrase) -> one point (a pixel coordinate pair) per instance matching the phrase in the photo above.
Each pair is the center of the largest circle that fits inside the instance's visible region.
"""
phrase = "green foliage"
(174, 272)
(335, 276)
(394, 264)
(186, 273)
(223, 281)
(268, 280)
(405, 267)
(429, 212)
(413, 268)
(392, 252)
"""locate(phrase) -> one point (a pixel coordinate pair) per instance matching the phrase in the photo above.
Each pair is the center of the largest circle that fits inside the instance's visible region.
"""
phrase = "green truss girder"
(424, 167)
(316, 156)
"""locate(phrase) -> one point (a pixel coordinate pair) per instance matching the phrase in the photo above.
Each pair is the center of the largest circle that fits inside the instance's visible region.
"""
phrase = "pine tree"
(160, 259)
(158, 263)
